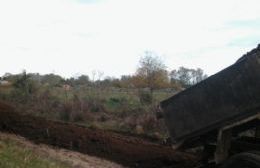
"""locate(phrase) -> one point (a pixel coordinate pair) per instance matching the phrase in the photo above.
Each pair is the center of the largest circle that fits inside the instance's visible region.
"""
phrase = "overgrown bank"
(129, 151)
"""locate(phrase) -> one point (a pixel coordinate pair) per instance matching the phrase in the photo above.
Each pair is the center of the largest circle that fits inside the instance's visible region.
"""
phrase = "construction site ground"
(91, 147)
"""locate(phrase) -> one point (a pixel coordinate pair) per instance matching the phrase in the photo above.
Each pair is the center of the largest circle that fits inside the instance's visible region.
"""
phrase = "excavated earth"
(126, 150)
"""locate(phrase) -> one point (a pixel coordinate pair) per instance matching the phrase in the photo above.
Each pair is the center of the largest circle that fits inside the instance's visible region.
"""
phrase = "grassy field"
(14, 156)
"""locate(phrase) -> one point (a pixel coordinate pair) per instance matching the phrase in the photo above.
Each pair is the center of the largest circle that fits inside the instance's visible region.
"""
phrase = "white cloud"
(71, 36)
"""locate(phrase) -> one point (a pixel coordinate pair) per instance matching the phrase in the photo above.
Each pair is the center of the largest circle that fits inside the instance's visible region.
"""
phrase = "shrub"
(77, 116)
(145, 97)
(117, 103)
(93, 104)
(65, 113)
(139, 129)
(149, 122)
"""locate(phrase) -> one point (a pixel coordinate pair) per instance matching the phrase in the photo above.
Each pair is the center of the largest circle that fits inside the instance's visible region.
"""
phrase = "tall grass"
(14, 156)
(116, 109)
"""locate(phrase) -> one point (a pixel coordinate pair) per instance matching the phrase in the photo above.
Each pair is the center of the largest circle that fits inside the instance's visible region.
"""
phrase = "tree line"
(151, 73)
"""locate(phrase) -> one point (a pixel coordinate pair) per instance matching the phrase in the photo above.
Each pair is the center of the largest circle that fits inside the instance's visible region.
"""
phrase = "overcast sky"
(71, 37)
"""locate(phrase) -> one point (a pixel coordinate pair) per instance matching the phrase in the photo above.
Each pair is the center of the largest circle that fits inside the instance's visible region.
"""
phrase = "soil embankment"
(28, 149)
(126, 150)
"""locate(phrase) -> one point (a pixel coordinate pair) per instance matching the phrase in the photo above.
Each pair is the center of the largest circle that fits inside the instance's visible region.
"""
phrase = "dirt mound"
(129, 151)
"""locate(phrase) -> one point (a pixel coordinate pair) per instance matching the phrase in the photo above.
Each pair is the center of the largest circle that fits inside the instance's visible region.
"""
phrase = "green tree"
(24, 87)
(187, 77)
(198, 75)
(82, 80)
(52, 79)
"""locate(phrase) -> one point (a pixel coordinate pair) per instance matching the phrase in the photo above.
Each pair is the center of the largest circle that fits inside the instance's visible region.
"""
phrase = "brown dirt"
(126, 150)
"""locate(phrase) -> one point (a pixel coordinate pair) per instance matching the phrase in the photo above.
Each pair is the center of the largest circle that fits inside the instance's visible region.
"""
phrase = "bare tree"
(187, 77)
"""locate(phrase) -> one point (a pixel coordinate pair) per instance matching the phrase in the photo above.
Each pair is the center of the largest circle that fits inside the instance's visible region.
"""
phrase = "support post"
(223, 145)
(257, 132)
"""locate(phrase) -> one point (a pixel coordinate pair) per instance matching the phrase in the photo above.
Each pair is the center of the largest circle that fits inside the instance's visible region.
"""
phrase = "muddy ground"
(126, 150)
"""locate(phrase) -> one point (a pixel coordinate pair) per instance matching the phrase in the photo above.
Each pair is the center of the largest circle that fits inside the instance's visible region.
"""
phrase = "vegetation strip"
(13, 154)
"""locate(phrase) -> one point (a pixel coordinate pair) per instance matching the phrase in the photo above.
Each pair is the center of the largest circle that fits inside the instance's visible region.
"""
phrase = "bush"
(145, 97)
(148, 122)
(77, 116)
(65, 113)
(114, 102)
